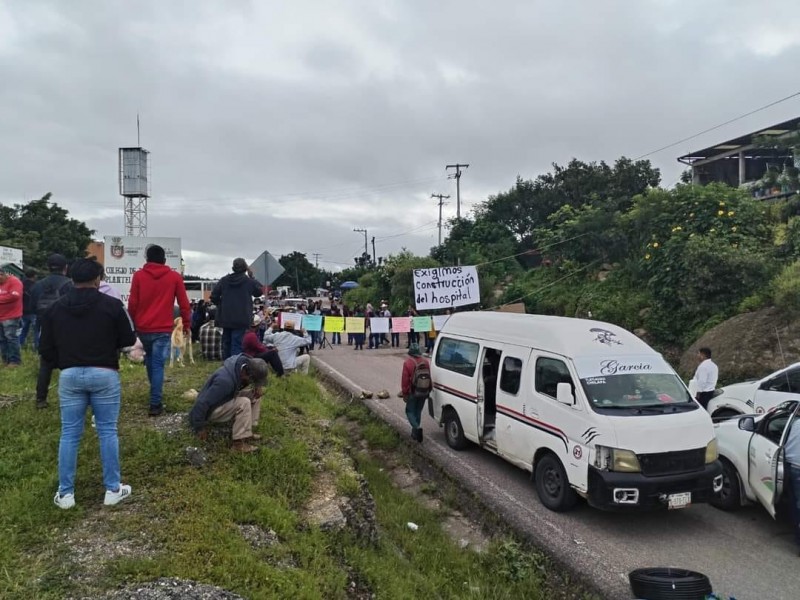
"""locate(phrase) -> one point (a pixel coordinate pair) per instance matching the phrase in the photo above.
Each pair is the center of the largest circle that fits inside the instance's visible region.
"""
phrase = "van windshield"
(640, 391)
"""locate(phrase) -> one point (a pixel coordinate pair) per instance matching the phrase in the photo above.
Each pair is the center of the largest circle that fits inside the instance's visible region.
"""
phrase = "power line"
(739, 118)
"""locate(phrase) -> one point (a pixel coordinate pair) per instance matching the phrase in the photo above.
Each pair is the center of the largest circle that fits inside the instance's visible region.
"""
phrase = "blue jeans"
(79, 388)
(231, 341)
(156, 347)
(29, 325)
(9, 341)
(792, 482)
(414, 411)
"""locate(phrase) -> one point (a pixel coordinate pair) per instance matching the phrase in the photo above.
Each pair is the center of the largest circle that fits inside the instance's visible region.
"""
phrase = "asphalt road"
(745, 553)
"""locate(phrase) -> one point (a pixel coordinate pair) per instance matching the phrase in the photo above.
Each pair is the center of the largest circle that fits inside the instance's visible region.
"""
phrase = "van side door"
(512, 433)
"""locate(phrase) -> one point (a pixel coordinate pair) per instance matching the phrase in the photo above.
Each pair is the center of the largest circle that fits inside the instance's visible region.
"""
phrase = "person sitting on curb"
(223, 399)
(252, 347)
(288, 343)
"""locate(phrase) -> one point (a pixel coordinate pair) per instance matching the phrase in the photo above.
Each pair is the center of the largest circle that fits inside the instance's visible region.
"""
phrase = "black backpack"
(421, 382)
(51, 292)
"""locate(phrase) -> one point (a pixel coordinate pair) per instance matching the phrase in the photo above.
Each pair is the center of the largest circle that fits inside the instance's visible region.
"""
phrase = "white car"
(757, 396)
(751, 452)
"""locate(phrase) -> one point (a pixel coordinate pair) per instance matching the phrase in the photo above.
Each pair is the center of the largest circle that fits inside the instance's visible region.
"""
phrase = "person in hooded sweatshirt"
(223, 398)
(233, 296)
(81, 335)
(154, 290)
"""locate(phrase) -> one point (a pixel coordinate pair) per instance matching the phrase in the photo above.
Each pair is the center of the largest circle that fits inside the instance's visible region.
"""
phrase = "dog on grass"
(179, 344)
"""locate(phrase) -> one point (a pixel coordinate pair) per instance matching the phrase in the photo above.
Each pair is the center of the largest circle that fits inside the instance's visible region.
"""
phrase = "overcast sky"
(282, 126)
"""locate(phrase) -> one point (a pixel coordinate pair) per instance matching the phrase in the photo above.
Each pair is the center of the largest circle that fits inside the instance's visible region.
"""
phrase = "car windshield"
(636, 391)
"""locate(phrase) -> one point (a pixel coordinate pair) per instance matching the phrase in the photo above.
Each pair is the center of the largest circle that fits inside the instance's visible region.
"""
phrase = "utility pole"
(364, 231)
(441, 198)
(374, 258)
(457, 177)
(316, 256)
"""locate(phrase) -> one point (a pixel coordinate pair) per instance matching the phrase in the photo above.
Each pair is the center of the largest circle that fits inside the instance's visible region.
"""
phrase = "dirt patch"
(99, 540)
(258, 537)
(171, 424)
(170, 589)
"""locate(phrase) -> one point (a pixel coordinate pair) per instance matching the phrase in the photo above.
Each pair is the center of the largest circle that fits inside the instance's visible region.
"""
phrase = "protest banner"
(296, 319)
(421, 323)
(379, 325)
(446, 287)
(439, 321)
(312, 322)
(354, 324)
(334, 324)
(401, 324)
(124, 255)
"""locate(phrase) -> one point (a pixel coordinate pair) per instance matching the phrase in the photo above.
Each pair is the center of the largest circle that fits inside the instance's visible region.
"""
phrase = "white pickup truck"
(751, 452)
(757, 396)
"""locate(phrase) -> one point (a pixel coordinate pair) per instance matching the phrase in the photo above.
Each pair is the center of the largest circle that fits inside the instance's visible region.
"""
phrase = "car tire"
(730, 496)
(453, 431)
(666, 583)
(552, 484)
(725, 413)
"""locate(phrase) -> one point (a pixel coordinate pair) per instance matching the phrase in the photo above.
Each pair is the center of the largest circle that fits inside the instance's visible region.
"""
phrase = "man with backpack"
(416, 385)
(45, 293)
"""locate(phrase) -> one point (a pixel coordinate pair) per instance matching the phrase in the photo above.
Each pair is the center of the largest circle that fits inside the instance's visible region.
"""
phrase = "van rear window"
(457, 356)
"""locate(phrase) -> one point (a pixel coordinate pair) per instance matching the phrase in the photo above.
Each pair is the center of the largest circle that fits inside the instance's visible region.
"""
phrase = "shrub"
(786, 289)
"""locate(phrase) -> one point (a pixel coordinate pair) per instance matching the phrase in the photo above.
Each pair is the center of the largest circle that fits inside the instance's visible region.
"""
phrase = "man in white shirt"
(287, 344)
(705, 377)
(791, 459)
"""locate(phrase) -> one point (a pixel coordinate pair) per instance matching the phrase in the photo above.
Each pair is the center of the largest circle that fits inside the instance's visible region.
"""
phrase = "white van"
(587, 407)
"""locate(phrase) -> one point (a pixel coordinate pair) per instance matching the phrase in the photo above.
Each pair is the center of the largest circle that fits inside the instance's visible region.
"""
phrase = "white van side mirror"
(564, 394)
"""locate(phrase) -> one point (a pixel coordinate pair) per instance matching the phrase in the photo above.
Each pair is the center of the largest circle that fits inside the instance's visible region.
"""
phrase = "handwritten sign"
(296, 319)
(312, 322)
(446, 287)
(334, 324)
(379, 325)
(354, 324)
(439, 321)
(401, 324)
(421, 323)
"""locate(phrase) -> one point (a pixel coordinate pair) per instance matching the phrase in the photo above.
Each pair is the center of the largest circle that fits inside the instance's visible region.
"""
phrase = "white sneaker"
(66, 501)
(122, 493)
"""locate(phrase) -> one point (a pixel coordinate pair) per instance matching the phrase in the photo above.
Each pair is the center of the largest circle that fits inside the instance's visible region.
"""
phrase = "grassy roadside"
(239, 522)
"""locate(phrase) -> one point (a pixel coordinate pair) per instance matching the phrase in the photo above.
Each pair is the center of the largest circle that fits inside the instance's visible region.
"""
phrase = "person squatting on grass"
(222, 399)
(81, 335)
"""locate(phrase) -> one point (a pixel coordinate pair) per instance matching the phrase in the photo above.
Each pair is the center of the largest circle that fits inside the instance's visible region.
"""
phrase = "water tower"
(134, 188)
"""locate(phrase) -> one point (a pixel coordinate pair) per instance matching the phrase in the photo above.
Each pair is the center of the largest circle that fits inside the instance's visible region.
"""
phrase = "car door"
(764, 457)
(777, 388)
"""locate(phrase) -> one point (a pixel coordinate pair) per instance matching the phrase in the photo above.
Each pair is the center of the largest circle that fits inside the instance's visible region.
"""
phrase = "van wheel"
(552, 484)
(726, 413)
(730, 496)
(453, 432)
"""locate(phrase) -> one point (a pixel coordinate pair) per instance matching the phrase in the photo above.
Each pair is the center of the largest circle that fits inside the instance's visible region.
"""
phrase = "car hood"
(647, 434)
(741, 391)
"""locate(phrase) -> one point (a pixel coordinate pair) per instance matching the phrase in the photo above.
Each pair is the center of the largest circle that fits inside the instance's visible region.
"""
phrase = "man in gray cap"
(223, 398)
(233, 296)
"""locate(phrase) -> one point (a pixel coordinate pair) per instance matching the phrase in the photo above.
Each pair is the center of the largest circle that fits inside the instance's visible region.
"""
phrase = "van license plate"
(679, 500)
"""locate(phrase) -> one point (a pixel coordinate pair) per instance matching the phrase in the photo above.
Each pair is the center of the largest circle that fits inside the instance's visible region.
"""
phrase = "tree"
(299, 272)
(41, 228)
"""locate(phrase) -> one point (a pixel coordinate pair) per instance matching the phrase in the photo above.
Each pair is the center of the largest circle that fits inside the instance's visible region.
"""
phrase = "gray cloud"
(284, 127)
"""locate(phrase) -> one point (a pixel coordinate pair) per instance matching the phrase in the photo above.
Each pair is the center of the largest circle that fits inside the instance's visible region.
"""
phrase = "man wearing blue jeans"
(81, 335)
(233, 296)
(154, 290)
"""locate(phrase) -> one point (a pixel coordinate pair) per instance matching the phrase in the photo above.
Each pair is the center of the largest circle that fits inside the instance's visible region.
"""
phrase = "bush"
(786, 289)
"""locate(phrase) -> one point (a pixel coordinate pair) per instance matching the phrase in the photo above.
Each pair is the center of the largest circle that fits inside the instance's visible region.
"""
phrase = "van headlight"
(616, 459)
(712, 451)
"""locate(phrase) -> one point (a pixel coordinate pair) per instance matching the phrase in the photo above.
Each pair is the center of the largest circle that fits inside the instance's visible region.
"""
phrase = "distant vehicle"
(751, 452)
(757, 396)
(587, 407)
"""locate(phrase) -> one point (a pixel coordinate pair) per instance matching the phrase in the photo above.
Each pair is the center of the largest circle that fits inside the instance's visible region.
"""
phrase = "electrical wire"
(728, 122)
(544, 287)
(533, 251)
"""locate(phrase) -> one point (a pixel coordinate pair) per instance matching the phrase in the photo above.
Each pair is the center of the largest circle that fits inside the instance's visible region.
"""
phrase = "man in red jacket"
(154, 290)
(415, 384)
(10, 317)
